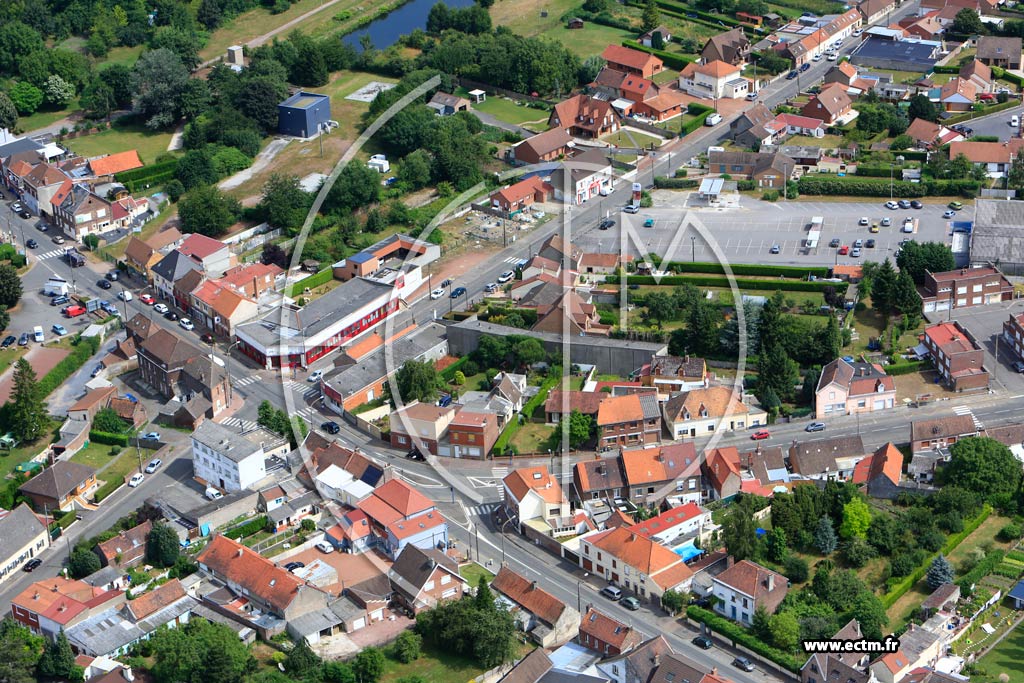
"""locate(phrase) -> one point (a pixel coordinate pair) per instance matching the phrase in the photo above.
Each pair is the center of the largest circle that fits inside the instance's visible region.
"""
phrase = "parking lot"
(747, 234)
(986, 324)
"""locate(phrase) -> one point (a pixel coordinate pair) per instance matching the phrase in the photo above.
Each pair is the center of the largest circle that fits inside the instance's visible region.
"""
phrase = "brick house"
(126, 549)
(472, 433)
(630, 420)
(964, 287)
(162, 357)
(546, 146)
(769, 170)
(1002, 52)
(49, 606)
(659, 471)
(599, 479)
(830, 104)
(721, 470)
(57, 486)
(957, 356)
(423, 578)
(605, 635)
(940, 433)
(420, 423)
(631, 61)
(78, 211)
(848, 388)
(731, 47)
(548, 620)
(957, 95)
(141, 255)
(881, 472)
(744, 587)
(585, 117)
(520, 196)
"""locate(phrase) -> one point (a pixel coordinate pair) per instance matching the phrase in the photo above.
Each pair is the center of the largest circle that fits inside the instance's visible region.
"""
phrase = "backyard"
(14, 457)
(437, 667)
(507, 110)
(124, 134)
(632, 138)
(98, 455)
(1005, 658)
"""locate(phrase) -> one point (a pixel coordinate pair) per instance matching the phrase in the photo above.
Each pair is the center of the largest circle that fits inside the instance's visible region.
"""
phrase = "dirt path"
(263, 160)
(42, 361)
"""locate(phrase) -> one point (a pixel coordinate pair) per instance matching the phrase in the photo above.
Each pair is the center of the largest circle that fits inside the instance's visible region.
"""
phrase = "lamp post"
(890, 180)
(693, 248)
(503, 524)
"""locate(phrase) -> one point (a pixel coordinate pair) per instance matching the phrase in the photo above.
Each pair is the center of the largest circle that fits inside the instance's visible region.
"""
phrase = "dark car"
(791, 75)
(870, 244)
(8, 340)
(804, 67)
(916, 205)
(103, 284)
(743, 663)
(23, 339)
(208, 338)
(292, 566)
(446, 283)
(835, 243)
(112, 276)
(331, 427)
(31, 564)
(703, 642)
(630, 603)
(31, 244)
(605, 224)
(25, 214)
(414, 454)
(42, 227)
(815, 427)
(1018, 366)
(171, 315)
(457, 292)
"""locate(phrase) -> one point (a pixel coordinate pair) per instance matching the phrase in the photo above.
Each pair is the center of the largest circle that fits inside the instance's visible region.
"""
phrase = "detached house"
(548, 620)
(700, 412)
(881, 472)
(60, 486)
(632, 61)
(997, 51)
(957, 95)
(846, 388)
(848, 667)
(519, 197)
(749, 129)
(731, 47)
(546, 146)
(929, 135)
(830, 105)
(400, 516)
(744, 587)
(956, 354)
(585, 117)
(630, 420)
(978, 74)
(768, 170)
(714, 80)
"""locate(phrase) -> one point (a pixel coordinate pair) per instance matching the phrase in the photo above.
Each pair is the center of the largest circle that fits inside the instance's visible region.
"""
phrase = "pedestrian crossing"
(246, 381)
(965, 410)
(50, 254)
(512, 259)
(499, 472)
(484, 510)
(244, 425)
(308, 414)
(312, 392)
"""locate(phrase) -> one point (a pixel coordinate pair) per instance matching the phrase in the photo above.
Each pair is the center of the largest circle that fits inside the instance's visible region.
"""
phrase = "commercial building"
(227, 459)
(964, 287)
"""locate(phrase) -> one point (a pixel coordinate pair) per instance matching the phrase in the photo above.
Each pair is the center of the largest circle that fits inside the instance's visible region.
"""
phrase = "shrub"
(980, 571)
(109, 438)
(314, 280)
(770, 196)
(663, 183)
(108, 488)
(711, 281)
(1010, 532)
(738, 634)
(253, 526)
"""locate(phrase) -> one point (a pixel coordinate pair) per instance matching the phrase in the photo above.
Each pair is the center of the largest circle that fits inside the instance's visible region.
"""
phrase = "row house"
(634, 562)
(964, 287)
(422, 579)
(78, 211)
(630, 420)
(704, 411)
(598, 479)
(472, 433)
(584, 177)
(40, 186)
(1013, 334)
(874, 11)
(956, 354)
(940, 433)
(824, 459)
(548, 621)
(672, 527)
(881, 473)
(533, 493)
(653, 473)
(141, 255)
(957, 95)
(50, 606)
(221, 308)
(851, 667)
(978, 74)
(25, 536)
(633, 95)
(605, 635)
(750, 128)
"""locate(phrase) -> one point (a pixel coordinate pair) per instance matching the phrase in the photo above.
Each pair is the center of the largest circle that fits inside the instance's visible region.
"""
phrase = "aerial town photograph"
(512, 341)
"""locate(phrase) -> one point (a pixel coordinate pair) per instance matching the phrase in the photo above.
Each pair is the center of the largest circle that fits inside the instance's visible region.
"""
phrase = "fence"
(501, 92)
(987, 193)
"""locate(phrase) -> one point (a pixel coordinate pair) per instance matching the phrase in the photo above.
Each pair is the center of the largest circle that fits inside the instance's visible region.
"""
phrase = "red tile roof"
(200, 246)
(245, 567)
(528, 596)
(403, 529)
(639, 552)
(116, 163)
(604, 629)
(525, 479)
(155, 600)
(667, 520)
(720, 464)
(403, 498)
(617, 54)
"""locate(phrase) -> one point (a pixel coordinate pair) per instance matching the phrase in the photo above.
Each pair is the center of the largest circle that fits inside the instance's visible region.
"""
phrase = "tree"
(417, 381)
(657, 41)
(832, 338)
(107, 420)
(784, 630)
(595, 6)
(702, 324)
(739, 533)
(369, 664)
(301, 661)
(414, 170)
(27, 409)
(870, 612)
(759, 623)
(856, 519)
(916, 258)
(309, 69)
(580, 428)
(777, 372)
(97, 99)
(810, 386)
(408, 645)
(58, 660)
(162, 547)
(777, 547)
(922, 108)
(200, 651)
(883, 287)
(484, 598)
(8, 112)
(284, 202)
(660, 307)
(258, 100)
(158, 81)
(184, 44)
(528, 351)
(906, 300)
(795, 568)
(984, 466)
(673, 601)
(651, 16)
(1015, 176)
(939, 572)
(19, 652)
(26, 98)
(17, 41)
(208, 211)
(967, 22)
(83, 562)
(10, 286)
(357, 186)
(857, 552)
(824, 537)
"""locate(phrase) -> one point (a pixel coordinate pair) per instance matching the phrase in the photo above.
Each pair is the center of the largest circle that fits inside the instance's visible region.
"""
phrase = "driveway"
(263, 160)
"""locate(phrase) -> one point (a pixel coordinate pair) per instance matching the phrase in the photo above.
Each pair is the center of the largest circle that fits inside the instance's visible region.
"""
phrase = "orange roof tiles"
(403, 497)
(658, 464)
(155, 600)
(116, 163)
(618, 409)
(529, 596)
(639, 552)
(635, 59)
(256, 574)
(521, 481)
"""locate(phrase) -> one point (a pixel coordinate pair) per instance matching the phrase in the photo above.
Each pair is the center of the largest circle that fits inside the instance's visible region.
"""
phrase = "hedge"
(248, 529)
(108, 438)
(315, 280)
(144, 173)
(1002, 73)
(663, 183)
(739, 635)
(980, 571)
(865, 187)
(747, 284)
(448, 374)
(82, 350)
(907, 368)
(899, 589)
(67, 519)
(671, 59)
(1015, 555)
(108, 488)
(984, 111)
(752, 269)
(554, 377)
(866, 171)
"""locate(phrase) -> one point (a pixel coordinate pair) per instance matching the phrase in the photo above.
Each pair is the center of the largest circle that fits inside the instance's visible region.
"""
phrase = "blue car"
(59, 330)
(791, 75)
(108, 307)
(457, 292)
(804, 67)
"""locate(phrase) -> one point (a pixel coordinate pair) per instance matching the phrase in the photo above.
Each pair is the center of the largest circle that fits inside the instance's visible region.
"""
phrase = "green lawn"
(253, 23)
(630, 138)
(508, 110)
(826, 142)
(45, 118)
(14, 457)
(8, 357)
(437, 667)
(590, 40)
(121, 55)
(666, 77)
(472, 572)
(121, 137)
(96, 455)
(1005, 658)
(534, 437)
(676, 124)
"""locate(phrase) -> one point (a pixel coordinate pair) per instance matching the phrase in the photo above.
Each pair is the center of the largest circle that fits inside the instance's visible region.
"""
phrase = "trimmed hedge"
(671, 59)
(539, 398)
(907, 367)
(869, 187)
(448, 374)
(104, 491)
(67, 519)
(663, 183)
(147, 176)
(711, 281)
(82, 351)
(980, 571)
(1000, 72)
(739, 635)
(315, 280)
(865, 171)
(108, 438)
(752, 269)
(248, 529)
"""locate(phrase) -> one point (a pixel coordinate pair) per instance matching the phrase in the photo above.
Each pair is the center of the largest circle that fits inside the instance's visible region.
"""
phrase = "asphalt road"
(997, 124)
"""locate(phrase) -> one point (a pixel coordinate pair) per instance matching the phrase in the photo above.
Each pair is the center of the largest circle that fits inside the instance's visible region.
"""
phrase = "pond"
(385, 31)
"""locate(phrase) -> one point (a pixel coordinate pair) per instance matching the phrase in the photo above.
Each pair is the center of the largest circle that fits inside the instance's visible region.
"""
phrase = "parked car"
(136, 480)
(331, 427)
(649, 223)
(103, 284)
(751, 97)
(186, 324)
(74, 311)
(31, 244)
(112, 275)
(864, 220)
(1018, 366)
(855, 253)
(213, 494)
(833, 56)
(948, 213)
(870, 244)
(16, 207)
(630, 603)
(154, 465)
(108, 308)
(325, 547)
(414, 454)
(8, 340)
(124, 295)
(916, 205)
(457, 292)
(892, 205)
(170, 315)
(490, 288)
(834, 243)
(774, 250)
(804, 67)
(760, 435)
(147, 299)
(904, 203)
(446, 283)
(703, 642)
(59, 330)
(58, 239)
(292, 566)
(23, 339)
(631, 208)
(815, 427)
(858, 244)
(161, 308)
(31, 564)
(151, 436)
(743, 663)
(844, 250)
(713, 119)
(605, 224)
(207, 338)
(956, 206)
(791, 75)
(886, 222)
(315, 376)
(506, 277)
(437, 293)
(613, 593)
(874, 228)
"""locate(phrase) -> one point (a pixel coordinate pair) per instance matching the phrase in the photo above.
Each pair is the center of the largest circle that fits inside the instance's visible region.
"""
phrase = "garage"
(377, 615)
(358, 623)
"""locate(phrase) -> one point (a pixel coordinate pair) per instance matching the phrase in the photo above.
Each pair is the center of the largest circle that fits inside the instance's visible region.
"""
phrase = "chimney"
(127, 673)
(729, 561)
(533, 585)
(240, 551)
(771, 582)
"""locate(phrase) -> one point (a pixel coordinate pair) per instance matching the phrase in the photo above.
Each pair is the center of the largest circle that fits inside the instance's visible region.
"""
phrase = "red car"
(147, 299)
(844, 250)
(74, 311)
(760, 434)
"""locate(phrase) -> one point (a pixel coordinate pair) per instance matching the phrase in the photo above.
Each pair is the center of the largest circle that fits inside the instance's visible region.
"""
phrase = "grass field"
(508, 110)
(45, 118)
(123, 135)
(632, 138)
(116, 467)
(434, 666)
(121, 55)
(472, 572)
(1005, 658)
(533, 437)
(524, 16)
(256, 22)
(10, 355)
(95, 455)
(590, 40)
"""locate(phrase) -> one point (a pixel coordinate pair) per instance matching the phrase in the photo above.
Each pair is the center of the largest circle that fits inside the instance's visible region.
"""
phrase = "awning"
(920, 351)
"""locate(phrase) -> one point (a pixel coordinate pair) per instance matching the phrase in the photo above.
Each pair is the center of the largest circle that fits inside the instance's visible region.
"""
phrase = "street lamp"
(890, 180)
(503, 524)
(693, 248)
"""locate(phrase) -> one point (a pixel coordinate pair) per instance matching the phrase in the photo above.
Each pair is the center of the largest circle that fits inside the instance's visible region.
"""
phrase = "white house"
(226, 459)
(704, 411)
(689, 520)
(745, 586)
(715, 80)
(534, 493)
(590, 176)
(337, 484)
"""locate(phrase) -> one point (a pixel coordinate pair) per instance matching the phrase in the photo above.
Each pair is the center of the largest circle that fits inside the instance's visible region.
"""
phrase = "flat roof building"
(302, 114)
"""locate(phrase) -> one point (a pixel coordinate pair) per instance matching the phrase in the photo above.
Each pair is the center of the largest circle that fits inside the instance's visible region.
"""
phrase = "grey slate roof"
(173, 266)
(23, 145)
(59, 480)
(369, 369)
(111, 630)
(20, 528)
(998, 234)
(414, 566)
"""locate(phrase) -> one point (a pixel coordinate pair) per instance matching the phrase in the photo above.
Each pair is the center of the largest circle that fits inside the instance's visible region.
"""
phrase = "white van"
(713, 119)
(1015, 121)
(37, 334)
(213, 494)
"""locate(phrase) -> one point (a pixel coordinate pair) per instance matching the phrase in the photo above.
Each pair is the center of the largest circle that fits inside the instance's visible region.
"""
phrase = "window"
(693, 484)
(615, 564)
(586, 550)
(428, 586)
(446, 579)
(961, 290)
(977, 288)
(744, 602)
